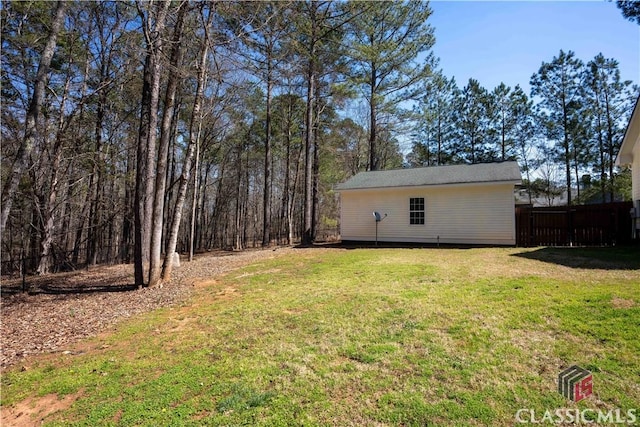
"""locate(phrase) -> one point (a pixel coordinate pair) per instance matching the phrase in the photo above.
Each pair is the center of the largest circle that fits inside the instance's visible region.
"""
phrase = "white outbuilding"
(460, 204)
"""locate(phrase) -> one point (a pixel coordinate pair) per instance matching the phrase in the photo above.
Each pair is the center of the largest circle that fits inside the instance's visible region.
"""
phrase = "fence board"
(607, 224)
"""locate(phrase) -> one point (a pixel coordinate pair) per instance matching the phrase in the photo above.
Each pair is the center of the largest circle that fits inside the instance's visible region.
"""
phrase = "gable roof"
(631, 137)
(505, 172)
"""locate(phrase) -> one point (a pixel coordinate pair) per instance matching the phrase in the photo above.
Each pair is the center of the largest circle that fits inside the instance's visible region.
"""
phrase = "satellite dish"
(378, 218)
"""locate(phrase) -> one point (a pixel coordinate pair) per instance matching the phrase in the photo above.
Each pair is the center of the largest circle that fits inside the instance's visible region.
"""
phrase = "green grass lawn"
(363, 337)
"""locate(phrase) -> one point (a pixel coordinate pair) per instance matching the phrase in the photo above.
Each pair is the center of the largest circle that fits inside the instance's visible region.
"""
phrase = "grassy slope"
(364, 337)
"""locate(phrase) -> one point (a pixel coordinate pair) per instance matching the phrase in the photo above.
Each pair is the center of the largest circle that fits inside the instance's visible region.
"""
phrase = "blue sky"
(494, 41)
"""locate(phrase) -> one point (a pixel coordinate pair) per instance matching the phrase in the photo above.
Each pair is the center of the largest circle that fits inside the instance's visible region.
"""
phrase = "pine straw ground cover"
(357, 337)
(60, 309)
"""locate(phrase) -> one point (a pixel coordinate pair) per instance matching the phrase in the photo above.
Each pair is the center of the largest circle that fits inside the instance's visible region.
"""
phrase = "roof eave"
(447, 184)
(631, 136)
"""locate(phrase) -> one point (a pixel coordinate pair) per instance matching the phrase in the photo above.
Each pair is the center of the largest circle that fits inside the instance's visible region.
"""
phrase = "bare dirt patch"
(227, 292)
(622, 303)
(32, 411)
(62, 309)
(205, 283)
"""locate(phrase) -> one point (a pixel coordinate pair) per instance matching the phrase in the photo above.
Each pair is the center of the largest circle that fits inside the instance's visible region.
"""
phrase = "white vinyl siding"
(635, 171)
(473, 214)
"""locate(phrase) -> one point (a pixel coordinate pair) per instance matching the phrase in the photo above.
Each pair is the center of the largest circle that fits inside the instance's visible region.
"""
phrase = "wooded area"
(132, 130)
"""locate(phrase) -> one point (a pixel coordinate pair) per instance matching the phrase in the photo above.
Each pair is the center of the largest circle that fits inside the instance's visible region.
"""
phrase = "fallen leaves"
(64, 308)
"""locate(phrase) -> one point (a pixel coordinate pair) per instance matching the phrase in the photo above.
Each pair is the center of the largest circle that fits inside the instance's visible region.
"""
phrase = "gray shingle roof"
(435, 175)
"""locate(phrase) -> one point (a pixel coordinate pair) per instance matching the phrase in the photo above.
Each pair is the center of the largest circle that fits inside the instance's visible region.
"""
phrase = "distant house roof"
(631, 137)
(504, 172)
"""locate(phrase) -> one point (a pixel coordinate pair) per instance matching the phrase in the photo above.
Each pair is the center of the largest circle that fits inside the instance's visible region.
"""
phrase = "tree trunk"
(50, 206)
(603, 172)
(473, 148)
(567, 156)
(49, 220)
(610, 146)
(307, 237)
(266, 200)
(155, 270)
(245, 206)
(307, 220)
(95, 183)
(316, 176)
(237, 236)
(146, 150)
(138, 198)
(292, 200)
(577, 171)
(152, 136)
(32, 116)
(439, 154)
(504, 138)
(169, 197)
(287, 174)
(128, 216)
(167, 266)
(192, 234)
(373, 124)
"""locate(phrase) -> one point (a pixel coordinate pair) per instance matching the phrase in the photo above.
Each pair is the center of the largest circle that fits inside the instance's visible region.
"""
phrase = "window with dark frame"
(416, 210)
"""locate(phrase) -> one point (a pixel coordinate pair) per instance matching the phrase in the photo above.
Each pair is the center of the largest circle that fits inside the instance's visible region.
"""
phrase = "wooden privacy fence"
(607, 224)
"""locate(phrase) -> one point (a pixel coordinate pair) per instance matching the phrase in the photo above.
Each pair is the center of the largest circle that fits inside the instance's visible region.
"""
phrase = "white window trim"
(424, 211)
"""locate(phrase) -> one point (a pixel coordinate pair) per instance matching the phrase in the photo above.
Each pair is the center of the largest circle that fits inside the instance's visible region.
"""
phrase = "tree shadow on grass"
(56, 289)
(68, 283)
(616, 258)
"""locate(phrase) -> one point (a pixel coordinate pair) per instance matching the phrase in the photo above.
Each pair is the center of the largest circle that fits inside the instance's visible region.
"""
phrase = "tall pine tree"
(385, 40)
(435, 121)
(609, 99)
(559, 88)
(472, 120)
